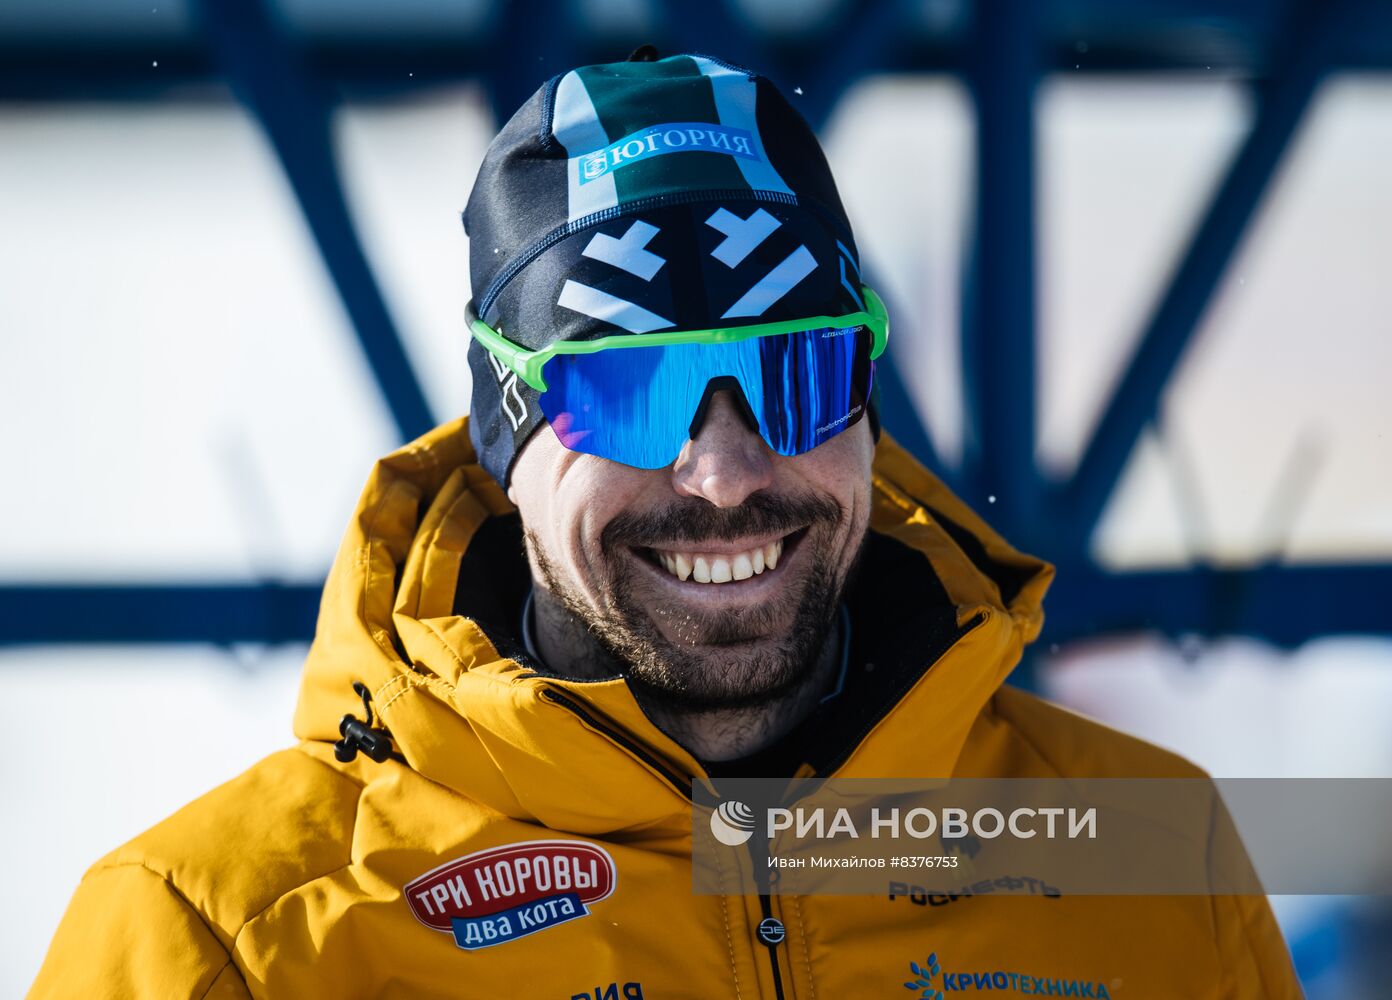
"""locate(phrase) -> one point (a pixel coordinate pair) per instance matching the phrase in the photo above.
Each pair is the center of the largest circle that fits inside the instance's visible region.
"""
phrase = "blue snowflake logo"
(926, 973)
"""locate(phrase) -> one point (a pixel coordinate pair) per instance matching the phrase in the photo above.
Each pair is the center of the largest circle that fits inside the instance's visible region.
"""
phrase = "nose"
(725, 461)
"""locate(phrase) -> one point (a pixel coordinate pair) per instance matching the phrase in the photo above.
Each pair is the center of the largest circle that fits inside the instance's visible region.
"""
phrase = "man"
(667, 547)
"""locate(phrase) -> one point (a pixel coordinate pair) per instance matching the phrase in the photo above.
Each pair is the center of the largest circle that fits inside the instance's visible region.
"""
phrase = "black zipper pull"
(359, 735)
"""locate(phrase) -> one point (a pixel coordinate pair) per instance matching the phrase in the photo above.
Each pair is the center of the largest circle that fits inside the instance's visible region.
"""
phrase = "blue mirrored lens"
(813, 385)
(637, 405)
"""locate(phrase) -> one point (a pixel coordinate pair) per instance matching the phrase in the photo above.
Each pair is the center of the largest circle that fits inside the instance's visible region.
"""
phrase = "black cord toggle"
(359, 735)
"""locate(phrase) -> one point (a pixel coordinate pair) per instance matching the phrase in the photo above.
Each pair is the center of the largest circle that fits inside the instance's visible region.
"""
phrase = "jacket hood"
(422, 602)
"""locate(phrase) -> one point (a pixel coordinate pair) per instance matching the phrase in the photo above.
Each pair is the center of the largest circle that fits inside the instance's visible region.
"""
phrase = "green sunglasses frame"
(528, 363)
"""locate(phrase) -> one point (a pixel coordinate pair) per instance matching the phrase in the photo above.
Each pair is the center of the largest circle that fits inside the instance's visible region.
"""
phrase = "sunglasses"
(638, 398)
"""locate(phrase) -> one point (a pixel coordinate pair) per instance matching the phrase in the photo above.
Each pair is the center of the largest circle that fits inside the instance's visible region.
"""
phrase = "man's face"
(777, 537)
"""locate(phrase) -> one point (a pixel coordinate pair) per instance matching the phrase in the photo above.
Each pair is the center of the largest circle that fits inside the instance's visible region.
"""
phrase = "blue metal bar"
(267, 76)
(1301, 60)
(998, 345)
(1280, 604)
(998, 316)
(158, 612)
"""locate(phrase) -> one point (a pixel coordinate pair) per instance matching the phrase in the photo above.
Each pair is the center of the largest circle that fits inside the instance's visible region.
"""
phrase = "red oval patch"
(499, 878)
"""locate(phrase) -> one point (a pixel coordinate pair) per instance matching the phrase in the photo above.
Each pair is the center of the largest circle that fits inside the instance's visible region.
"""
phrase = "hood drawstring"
(360, 736)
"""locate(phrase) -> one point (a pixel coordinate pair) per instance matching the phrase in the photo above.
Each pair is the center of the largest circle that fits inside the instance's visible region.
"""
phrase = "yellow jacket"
(307, 877)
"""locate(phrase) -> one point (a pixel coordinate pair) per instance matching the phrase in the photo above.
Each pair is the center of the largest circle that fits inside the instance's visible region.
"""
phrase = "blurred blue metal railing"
(288, 74)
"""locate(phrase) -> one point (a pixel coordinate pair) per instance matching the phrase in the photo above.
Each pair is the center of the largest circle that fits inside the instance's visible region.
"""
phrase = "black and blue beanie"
(632, 197)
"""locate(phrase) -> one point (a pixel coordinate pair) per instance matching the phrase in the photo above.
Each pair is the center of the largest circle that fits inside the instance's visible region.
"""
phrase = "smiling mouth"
(699, 565)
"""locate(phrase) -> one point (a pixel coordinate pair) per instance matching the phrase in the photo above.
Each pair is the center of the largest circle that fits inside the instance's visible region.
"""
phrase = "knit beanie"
(639, 196)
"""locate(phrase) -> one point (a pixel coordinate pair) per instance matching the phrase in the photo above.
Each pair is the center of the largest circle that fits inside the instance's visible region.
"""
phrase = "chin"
(725, 676)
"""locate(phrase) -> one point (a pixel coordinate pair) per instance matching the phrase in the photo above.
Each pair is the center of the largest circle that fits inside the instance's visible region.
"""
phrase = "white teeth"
(743, 567)
(721, 569)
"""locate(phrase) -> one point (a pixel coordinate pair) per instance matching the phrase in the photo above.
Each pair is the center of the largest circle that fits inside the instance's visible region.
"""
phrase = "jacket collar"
(421, 606)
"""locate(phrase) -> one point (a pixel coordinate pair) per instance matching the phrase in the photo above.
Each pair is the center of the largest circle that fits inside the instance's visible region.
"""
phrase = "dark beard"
(724, 659)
